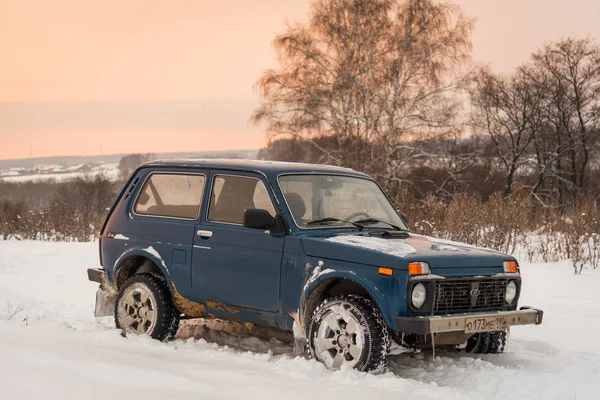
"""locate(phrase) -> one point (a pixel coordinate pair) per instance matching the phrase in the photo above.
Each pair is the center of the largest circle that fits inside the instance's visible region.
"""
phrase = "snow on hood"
(450, 245)
(395, 252)
(392, 247)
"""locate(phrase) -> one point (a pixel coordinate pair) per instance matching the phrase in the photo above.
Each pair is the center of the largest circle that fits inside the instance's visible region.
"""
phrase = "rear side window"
(232, 195)
(171, 195)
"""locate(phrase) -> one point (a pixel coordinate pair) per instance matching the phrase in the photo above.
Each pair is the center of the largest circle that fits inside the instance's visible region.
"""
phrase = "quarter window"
(232, 195)
(171, 195)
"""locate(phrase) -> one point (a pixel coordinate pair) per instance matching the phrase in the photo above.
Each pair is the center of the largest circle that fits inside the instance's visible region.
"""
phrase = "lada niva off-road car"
(317, 250)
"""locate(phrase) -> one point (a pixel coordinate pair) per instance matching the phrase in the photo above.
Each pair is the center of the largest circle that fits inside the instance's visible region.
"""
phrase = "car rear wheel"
(349, 330)
(144, 307)
(486, 343)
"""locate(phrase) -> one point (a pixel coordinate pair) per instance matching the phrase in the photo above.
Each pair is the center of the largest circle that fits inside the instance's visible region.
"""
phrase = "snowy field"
(109, 171)
(51, 347)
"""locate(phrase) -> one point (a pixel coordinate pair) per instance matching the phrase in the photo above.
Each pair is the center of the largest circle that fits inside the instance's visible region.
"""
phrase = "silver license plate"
(485, 324)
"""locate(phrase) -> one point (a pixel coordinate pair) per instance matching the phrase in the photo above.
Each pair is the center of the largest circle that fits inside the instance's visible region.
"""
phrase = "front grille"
(469, 295)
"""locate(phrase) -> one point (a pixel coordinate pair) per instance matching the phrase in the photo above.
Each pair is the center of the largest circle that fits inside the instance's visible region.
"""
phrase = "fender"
(149, 253)
(106, 295)
(320, 273)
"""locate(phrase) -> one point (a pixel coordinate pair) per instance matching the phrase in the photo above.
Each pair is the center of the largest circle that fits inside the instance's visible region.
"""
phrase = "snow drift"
(51, 347)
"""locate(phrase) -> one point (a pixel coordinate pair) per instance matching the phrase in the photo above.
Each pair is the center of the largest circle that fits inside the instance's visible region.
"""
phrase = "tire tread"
(167, 323)
(490, 343)
(380, 339)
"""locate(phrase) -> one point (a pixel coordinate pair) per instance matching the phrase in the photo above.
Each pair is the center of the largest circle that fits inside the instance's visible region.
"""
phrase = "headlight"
(419, 295)
(511, 292)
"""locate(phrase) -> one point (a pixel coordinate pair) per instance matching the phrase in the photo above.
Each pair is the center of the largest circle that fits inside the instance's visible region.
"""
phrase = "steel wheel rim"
(340, 338)
(137, 310)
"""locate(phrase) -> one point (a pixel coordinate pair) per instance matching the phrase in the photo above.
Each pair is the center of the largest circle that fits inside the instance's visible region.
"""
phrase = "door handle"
(204, 234)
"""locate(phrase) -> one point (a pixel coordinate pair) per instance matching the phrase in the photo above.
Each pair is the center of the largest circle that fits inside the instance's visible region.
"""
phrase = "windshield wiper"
(322, 221)
(367, 221)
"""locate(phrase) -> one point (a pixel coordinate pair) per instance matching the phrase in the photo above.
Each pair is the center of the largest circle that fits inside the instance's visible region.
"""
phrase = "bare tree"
(379, 71)
(505, 108)
(545, 117)
(571, 71)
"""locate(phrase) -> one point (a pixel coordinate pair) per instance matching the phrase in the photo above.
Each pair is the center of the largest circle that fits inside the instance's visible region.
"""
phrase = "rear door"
(232, 264)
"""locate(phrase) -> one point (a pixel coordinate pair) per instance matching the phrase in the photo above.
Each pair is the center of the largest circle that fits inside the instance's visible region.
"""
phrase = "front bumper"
(106, 295)
(456, 323)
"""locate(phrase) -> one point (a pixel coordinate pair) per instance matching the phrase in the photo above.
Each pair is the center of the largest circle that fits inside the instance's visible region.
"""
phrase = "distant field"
(114, 158)
(110, 171)
(106, 165)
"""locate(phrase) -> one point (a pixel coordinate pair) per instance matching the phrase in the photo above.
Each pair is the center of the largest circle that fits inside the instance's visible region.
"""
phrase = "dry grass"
(512, 226)
(70, 211)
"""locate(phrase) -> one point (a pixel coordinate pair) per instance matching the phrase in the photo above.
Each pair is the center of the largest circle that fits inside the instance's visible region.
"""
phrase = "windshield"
(337, 201)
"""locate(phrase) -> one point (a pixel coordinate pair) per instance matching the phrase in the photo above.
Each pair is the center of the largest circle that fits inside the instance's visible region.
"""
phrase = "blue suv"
(313, 249)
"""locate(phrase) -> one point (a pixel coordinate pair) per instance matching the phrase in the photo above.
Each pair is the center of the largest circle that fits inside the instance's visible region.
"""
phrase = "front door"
(232, 264)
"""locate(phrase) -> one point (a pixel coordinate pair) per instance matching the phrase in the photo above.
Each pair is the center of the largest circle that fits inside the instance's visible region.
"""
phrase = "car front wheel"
(144, 307)
(349, 330)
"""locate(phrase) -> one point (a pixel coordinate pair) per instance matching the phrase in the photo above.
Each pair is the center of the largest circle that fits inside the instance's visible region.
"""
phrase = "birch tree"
(374, 75)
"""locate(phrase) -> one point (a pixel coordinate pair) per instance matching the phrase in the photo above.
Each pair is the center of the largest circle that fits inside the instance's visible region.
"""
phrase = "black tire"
(497, 342)
(487, 343)
(165, 321)
(375, 349)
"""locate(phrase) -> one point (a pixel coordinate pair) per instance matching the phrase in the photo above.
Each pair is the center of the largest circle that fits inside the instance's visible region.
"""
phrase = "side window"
(232, 195)
(171, 195)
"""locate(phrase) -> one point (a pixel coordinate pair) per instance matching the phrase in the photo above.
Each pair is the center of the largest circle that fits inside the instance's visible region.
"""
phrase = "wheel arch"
(136, 261)
(341, 282)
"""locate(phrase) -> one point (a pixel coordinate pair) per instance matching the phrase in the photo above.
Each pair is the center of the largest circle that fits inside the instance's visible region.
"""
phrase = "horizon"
(160, 155)
(135, 76)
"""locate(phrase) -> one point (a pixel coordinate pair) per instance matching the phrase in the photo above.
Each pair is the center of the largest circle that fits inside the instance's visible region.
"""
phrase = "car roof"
(269, 168)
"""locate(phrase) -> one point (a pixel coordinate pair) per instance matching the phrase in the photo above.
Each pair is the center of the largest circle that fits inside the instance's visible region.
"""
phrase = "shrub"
(74, 210)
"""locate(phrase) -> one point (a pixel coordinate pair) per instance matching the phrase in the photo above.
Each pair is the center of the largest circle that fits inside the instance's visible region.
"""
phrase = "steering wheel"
(357, 214)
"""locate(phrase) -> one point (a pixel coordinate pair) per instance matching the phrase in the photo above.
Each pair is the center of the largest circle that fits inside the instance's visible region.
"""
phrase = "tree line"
(387, 87)
(507, 161)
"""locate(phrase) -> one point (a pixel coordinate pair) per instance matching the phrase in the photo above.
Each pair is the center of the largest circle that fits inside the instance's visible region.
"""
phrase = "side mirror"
(259, 219)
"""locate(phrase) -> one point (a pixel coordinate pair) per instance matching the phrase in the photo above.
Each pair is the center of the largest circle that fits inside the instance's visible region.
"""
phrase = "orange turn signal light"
(418, 268)
(386, 271)
(511, 267)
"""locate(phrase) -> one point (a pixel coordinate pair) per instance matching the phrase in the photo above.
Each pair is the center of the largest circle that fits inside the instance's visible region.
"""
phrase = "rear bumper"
(105, 295)
(456, 323)
(96, 275)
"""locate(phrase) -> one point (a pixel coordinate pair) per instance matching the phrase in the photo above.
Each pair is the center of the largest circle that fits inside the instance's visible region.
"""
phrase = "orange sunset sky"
(85, 77)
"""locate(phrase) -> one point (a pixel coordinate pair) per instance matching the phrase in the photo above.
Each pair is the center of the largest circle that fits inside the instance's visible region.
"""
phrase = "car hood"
(397, 252)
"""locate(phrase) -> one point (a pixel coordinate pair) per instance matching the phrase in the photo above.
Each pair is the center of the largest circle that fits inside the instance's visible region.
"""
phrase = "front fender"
(382, 289)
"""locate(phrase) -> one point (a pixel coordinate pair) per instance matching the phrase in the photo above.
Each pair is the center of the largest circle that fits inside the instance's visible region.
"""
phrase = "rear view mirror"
(259, 219)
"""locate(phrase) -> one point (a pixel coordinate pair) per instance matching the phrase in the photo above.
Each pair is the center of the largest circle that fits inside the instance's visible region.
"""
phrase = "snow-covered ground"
(51, 347)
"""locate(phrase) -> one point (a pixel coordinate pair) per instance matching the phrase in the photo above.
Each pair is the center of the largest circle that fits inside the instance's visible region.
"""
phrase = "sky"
(120, 76)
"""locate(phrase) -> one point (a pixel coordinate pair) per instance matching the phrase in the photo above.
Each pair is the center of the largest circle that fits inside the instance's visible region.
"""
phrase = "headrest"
(296, 204)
